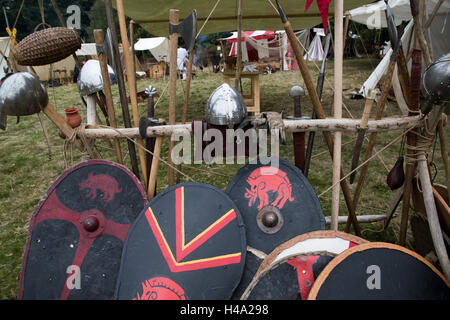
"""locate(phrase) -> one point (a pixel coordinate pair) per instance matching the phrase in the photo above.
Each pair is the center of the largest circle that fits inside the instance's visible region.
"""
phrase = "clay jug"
(73, 118)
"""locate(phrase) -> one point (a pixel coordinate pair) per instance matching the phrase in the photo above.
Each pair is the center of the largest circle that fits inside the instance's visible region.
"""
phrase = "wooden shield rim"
(52, 188)
(239, 218)
(363, 247)
(268, 264)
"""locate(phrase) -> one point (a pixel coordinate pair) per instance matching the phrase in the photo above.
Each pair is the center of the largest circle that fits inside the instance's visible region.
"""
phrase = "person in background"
(182, 58)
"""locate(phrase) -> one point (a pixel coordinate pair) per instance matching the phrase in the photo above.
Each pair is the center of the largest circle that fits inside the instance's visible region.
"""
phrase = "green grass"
(26, 172)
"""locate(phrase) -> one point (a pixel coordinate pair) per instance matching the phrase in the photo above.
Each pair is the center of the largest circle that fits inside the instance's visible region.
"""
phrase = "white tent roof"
(159, 47)
(374, 16)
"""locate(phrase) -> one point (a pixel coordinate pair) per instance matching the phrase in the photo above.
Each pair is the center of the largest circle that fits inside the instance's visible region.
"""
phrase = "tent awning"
(256, 14)
(159, 47)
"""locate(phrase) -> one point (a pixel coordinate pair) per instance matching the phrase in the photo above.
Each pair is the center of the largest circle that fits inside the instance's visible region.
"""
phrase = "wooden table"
(252, 100)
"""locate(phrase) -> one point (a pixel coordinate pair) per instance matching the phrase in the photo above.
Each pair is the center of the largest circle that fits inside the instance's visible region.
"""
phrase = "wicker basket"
(47, 46)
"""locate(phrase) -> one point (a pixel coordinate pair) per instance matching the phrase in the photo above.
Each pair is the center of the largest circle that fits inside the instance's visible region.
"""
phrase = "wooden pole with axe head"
(188, 31)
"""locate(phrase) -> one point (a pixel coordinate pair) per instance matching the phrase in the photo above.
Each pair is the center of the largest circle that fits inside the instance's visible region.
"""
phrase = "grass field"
(26, 171)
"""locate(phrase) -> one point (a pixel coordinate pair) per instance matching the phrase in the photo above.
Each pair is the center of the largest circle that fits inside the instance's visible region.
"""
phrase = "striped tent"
(315, 51)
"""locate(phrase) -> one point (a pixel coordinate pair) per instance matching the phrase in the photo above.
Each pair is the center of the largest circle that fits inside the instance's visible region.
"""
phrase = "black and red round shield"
(380, 271)
(188, 243)
(290, 270)
(77, 233)
(277, 203)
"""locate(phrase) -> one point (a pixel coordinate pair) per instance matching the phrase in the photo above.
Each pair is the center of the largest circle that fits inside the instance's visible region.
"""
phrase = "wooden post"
(428, 197)
(99, 41)
(131, 83)
(121, 84)
(91, 114)
(444, 154)
(239, 47)
(338, 66)
(173, 46)
(411, 137)
(319, 111)
(133, 55)
(417, 10)
(154, 170)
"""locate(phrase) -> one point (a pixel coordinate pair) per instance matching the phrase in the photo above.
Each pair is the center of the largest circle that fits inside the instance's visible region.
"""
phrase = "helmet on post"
(225, 106)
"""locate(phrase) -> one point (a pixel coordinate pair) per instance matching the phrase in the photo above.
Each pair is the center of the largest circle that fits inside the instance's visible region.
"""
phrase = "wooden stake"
(320, 114)
(347, 21)
(121, 84)
(239, 47)
(154, 170)
(99, 40)
(188, 86)
(173, 46)
(373, 136)
(417, 11)
(131, 84)
(444, 154)
(59, 121)
(338, 62)
(432, 217)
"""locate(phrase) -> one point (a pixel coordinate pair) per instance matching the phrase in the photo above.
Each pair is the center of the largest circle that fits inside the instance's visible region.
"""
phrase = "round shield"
(289, 271)
(277, 203)
(77, 233)
(380, 271)
(188, 243)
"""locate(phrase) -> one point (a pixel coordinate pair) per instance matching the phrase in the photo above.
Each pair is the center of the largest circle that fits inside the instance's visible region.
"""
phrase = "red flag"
(323, 8)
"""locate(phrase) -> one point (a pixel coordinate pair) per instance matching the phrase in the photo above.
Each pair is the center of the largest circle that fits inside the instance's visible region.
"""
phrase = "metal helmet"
(90, 78)
(225, 106)
(436, 80)
(21, 94)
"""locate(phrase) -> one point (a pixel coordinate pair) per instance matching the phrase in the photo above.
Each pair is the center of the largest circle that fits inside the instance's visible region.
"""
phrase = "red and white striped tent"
(250, 51)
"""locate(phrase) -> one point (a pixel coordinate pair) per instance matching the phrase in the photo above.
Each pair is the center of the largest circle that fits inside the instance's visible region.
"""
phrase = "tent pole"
(131, 78)
(319, 111)
(239, 47)
(347, 21)
(337, 148)
(433, 14)
(121, 83)
(133, 54)
(173, 47)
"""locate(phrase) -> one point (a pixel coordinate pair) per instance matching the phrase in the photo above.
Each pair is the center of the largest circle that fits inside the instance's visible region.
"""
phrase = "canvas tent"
(87, 49)
(373, 15)
(256, 14)
(158, 47)
(315, 51)
(5, 49)
(255, 44)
